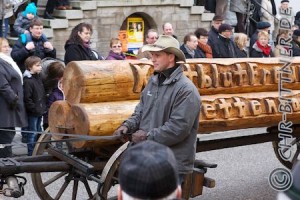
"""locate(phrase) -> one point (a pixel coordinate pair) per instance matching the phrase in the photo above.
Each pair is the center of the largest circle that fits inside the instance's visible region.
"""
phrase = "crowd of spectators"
(223, 40)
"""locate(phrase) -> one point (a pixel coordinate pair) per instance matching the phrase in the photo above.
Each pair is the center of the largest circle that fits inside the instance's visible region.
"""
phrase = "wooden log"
(218, 113)
(98, 119)
(57, 118)
(104, 81)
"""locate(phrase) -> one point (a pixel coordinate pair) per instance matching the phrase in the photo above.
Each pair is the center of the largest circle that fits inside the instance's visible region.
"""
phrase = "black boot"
(48, 16)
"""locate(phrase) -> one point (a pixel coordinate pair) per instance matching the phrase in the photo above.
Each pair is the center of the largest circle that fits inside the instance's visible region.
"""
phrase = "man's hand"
(48, 45)
(139, 136)
(121, 130)
(29, 46)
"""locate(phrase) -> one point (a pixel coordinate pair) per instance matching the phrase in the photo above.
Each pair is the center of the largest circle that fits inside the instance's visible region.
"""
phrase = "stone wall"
(107, 18)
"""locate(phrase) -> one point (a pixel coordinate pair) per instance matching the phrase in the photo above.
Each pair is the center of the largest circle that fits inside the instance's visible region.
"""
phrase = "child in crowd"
(34, 99)
(53, 86)
(22, 23)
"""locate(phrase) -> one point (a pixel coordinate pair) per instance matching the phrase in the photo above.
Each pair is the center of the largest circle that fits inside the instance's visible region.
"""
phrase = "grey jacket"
(11, 98)
(170, 114)
(239, 6)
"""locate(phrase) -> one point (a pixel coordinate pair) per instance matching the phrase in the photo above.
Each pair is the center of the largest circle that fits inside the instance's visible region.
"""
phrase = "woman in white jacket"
(266, 10)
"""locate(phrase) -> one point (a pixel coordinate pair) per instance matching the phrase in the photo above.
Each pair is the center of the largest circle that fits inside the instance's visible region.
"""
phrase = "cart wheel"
(60, 185)
(295, 148)
(109, 176)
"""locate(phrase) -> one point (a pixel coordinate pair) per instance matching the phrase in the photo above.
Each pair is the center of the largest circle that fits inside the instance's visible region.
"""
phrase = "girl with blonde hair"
(240, 40)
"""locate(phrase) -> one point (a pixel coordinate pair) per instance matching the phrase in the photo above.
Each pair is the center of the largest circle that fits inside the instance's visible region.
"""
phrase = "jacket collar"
(171, 75)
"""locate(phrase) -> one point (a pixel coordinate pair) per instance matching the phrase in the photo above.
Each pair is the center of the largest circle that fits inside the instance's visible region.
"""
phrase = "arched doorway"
(133, 31)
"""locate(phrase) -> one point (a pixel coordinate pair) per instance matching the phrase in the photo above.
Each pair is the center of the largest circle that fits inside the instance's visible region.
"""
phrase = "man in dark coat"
(224, 47)
(22, 49)
(296, 43)
(214, 31)
(11, 105)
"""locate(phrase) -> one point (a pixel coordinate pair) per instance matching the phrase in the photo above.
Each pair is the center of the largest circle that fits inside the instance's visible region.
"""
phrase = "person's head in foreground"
(148, 170)
(293, 193)
(165, 53)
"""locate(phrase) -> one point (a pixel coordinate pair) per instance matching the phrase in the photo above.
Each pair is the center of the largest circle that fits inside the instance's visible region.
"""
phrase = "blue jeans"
(34, 124)
(5, 28)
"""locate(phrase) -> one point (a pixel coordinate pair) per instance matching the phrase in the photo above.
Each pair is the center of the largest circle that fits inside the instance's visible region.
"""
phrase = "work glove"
(121, 130)
(139, 136)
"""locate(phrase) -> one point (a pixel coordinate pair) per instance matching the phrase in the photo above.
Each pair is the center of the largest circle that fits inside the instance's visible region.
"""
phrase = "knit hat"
(31, 8)
(148, 170)
(225, 27)
(263, 25)
(283, 1)
(296, 32)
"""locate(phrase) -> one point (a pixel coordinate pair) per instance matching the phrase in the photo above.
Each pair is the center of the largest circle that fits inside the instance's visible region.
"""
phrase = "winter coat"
(210, 5)
(169, 113)
(253, 39)
(267, 10)
(19, 53)
(213, 35)
(12, 107)
(224, 48)
(189, 56)
(114, 56)
(8, 9)
(22, 23)
(241, 53)
(230, 17)
(77, 52)
(239, 6)
(257, 52)
(34, 94)
(295, 48)
(56, 95)
(256, 16)
(297, 19)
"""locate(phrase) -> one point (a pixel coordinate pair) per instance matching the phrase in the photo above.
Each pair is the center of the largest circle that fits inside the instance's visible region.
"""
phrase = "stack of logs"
(236, 94)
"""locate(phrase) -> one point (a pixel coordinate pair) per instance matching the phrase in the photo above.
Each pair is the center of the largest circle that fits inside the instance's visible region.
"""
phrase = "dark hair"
(74, 37)
(30, 61)
(55, 70)
(187, 37)
(36, 22)
(201, 32)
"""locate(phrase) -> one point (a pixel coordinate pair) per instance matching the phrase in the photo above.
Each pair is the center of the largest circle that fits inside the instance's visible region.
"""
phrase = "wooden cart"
(236, 94)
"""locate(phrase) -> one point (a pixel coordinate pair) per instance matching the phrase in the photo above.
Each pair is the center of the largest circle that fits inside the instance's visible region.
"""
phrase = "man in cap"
(148, 170)
(169, 108)
(261, 26)
(214, 31)
(296, 43)
(224, 46)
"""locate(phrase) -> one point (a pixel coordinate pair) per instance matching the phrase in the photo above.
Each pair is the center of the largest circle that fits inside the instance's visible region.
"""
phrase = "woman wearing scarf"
(261, 48)
(115, 52)
(78, 45)
(189, 47)
(203, 47)
(11, 99)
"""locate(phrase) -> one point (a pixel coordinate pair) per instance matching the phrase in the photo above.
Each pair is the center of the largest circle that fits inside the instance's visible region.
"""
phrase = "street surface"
(242, 172)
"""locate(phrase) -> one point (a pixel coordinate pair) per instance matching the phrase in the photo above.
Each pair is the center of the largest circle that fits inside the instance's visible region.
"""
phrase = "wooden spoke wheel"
(288, 147)
(60, 185)
(109, 176)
